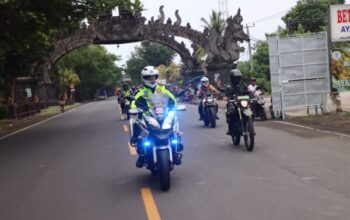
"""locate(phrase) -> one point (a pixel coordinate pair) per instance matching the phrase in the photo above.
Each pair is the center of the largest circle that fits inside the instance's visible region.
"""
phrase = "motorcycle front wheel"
(164, 169)
(212, 117)
(249, 135)
(263, 115)
(236, 139)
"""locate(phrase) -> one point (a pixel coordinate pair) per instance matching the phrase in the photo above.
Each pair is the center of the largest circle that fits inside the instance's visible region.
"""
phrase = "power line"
(271, 16)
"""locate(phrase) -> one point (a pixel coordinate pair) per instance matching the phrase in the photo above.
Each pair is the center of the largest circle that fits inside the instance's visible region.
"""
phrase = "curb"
(41, 122)
(314, 129)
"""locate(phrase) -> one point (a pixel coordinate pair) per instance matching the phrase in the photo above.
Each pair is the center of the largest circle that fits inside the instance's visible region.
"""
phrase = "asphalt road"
(79, 166)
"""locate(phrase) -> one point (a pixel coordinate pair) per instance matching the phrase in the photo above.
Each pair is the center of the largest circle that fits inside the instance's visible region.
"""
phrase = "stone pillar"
(219, 74)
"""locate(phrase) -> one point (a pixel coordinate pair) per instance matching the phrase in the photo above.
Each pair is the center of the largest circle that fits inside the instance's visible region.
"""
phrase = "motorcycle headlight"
(152, 123)
(244, 103)
(168, 122)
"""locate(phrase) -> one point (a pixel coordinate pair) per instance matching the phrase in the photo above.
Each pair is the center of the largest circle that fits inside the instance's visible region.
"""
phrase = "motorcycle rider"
(124, 94)
(149, 76)
(202, 91)
(237, 88)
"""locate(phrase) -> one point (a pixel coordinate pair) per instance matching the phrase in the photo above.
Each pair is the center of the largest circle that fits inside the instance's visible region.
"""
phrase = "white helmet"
(204, 81)
(146, 75)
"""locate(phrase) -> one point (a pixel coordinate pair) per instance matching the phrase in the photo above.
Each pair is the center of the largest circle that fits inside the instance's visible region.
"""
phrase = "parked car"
(101, 94)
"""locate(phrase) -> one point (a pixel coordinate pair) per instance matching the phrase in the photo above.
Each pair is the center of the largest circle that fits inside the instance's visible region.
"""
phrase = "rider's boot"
(140, 161)
(177, 158)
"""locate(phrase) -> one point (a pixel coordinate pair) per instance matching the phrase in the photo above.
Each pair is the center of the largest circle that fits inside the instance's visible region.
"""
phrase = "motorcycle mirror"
(181, 108)
(135, 111)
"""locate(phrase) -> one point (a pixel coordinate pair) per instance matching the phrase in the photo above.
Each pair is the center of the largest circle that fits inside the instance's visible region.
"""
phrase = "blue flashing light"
(172, 113)
(174, 141)
(146, 143)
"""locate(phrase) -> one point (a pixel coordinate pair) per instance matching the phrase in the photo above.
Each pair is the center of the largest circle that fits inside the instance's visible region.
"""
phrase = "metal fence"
(299, 69)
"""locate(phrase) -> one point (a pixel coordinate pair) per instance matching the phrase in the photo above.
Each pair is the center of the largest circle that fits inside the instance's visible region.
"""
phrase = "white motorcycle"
(160, 138)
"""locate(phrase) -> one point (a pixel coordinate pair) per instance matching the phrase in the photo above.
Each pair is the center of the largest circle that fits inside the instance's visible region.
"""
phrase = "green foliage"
(261, 66)
(171, 73)
(3, 111)
(215, 22)
(308, 16)
(95, 67)
(134, 67)
(27, 28)
(155, 54)
(148, 53)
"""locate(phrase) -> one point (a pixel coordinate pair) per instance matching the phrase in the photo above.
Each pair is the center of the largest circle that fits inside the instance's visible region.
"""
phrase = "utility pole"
(250, 48)
(223, 8)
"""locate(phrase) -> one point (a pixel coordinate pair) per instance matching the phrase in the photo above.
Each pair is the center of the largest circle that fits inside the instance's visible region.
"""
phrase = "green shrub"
(3, 111)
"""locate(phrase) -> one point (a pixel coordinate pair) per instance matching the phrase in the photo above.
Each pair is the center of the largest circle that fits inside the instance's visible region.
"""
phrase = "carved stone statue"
(160, 19)
(178, 18)
(130, 27)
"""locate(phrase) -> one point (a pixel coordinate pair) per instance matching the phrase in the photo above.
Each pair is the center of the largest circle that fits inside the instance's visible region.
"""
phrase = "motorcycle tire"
(212, 118)
(249, 136)
(163, 162)
(236, 139)
(263, 115)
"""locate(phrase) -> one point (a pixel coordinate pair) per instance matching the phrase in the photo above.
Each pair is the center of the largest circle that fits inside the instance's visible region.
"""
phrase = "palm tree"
(170, 73)
(215, 22)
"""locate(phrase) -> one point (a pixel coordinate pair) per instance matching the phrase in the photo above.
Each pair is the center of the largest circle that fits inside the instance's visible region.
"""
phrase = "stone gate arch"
(127, 27)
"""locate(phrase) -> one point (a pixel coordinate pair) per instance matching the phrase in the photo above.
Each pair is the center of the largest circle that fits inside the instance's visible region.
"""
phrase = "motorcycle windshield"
(159, 106)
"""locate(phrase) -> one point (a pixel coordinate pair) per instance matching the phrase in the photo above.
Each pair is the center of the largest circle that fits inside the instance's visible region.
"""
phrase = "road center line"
(125, 128)
(150, 205)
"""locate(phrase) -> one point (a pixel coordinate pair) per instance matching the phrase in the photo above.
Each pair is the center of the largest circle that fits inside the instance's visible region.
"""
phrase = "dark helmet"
(252, 79)
(235, 76)
(125, 86)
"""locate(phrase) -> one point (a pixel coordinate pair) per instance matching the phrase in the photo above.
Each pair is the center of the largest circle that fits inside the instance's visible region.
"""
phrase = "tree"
(170, 73)
(308, 16)
(155, 54)
(261, 66)
(148, 53)
(95, 68)
(67, 78)
(215, 22)
(27, 28)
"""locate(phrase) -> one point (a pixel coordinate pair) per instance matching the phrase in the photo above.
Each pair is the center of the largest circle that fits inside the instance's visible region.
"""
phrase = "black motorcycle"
(239, 116)
(258, 105)
(125, 103)
(209, 110)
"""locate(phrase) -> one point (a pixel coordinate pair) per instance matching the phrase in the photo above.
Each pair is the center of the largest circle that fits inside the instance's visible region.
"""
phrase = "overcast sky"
(264, 14)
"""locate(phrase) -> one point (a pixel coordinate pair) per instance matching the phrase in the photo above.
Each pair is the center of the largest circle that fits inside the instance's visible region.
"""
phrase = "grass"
(10, 125)
(55, 109)
(347, 114)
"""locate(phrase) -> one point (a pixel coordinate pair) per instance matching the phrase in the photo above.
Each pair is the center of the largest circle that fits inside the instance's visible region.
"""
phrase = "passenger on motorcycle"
(252, 85)
(204, 89)
(149, 76)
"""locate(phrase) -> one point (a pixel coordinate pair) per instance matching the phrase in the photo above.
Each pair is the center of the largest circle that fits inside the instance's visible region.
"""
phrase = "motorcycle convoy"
(159, 139)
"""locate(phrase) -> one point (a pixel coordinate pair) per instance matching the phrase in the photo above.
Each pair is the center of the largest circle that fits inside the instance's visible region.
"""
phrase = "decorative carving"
(160, 19)
(178, 18)
(130, 27)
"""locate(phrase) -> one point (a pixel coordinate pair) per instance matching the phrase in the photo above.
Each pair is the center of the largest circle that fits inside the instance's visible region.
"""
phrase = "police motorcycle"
(258, 104)
(160, 137)
(209, 109)
(239, 116)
